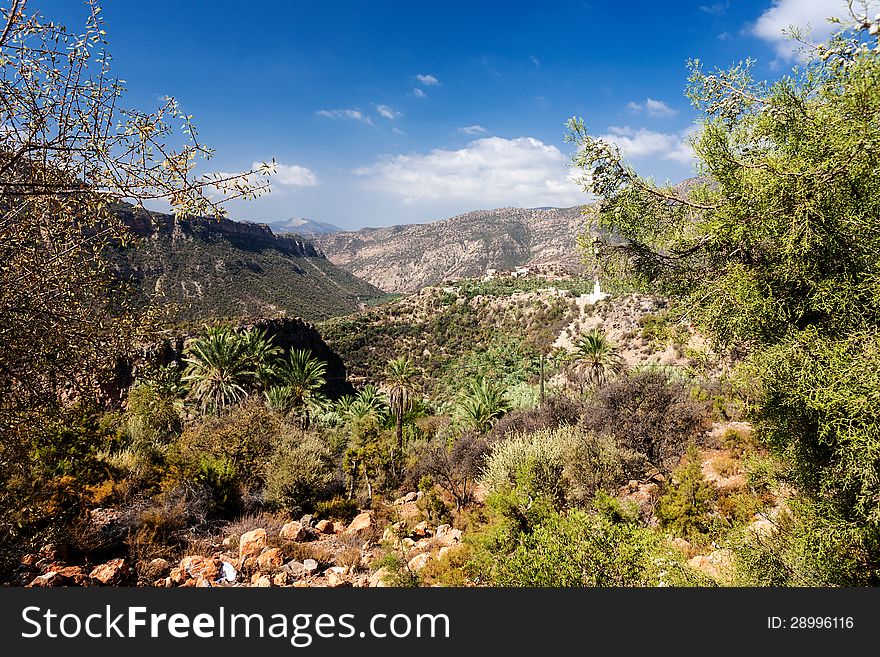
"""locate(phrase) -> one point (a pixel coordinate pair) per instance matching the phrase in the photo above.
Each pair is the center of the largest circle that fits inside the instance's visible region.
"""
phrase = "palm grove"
(773, 255)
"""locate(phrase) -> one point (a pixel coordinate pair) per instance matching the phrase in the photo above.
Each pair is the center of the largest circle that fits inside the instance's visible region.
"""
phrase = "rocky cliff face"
(201, 269)
(407, 258)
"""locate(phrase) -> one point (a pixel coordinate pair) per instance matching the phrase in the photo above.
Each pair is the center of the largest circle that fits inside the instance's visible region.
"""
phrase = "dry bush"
(646, 412)
(555, 412)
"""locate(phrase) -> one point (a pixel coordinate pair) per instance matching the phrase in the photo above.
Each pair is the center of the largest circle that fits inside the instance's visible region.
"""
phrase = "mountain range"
(409, 257)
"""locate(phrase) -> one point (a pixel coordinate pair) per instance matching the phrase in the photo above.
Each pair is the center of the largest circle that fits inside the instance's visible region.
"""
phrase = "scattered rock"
(156, 569)
(377, 579)
(200, 567)
(338, 527)
(419, 561)
(448, 538)
(30, 560)
(409, 497)
(324, 527)
(260, 581)
(270, 560)
(307, 521)
(252, 543)
(310, 566)
(362, 523)
(681, 544)
(295, 568)
(48, 580)
(717, 564)
(421, 530)
(227, 572)
(178, 576)
(111, 573)
(336, 577)
(280, 579)
(294, 531)
(229, 542)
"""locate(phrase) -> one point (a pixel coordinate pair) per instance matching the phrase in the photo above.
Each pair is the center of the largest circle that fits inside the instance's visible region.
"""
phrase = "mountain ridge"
(407, 257)
(206, 268)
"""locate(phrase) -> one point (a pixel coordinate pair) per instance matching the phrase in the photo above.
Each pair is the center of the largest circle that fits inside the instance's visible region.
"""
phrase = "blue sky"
(396, 112)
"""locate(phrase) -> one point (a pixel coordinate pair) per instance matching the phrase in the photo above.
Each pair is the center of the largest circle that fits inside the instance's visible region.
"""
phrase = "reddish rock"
(270, 560)
(48, 580)
(294, 531)
(112, 573)
(324, 526)
(200, 567)
(178, 576)
(362, 524)
(252, 543)
(419, 561)
(30, 560)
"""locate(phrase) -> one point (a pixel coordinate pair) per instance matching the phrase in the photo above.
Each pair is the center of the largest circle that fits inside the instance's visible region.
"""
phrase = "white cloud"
(473, 130)
(491, 170)
(352, 114)
(418, 93)
(397, 131)
(388, 112)
(427, 79)
(641, 143)
(292, 175)
(717, 8)
(804, 14)
(535, 61)
(656, 108)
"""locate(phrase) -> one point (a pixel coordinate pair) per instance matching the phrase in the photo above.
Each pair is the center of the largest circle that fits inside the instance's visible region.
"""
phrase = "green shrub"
(687, 502)
(339, 507)
(594, 463)
(530, 466)
(812, 546)
(299, 474)
(576, 548)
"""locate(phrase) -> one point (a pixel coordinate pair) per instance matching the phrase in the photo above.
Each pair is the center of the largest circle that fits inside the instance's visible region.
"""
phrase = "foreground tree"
(775, 250)
(69, 150)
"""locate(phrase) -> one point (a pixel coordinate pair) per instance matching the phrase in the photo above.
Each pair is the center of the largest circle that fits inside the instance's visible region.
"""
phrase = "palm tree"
(597, 357)
(219, 369)
(370, 397)
(263, 354)
(482, 403)
(400, 378)
(304, 375)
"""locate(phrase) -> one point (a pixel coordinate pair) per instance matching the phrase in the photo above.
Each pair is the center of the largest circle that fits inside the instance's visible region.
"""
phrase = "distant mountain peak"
(303, 226)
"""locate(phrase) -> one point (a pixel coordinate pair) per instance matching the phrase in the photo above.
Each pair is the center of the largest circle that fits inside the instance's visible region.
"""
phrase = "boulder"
(270, 560)
(294, 531)
(260, 581)
(48, 580)
(448, 538)
(227, 572)
(336, 577)
(324, 527)
(279, 579)
(419, 561)
(338, 527)
(442, 529)
(717, 564)
(156, 569)
(362, 524)
(377, 579)
(295, 568)
(252, 543)
(112, 573)
(199, 567)
(178, 576)
(307, 521)
(310, 566)
(421, 530)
